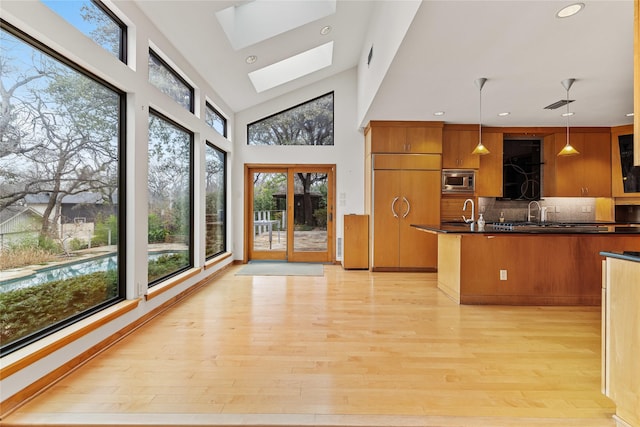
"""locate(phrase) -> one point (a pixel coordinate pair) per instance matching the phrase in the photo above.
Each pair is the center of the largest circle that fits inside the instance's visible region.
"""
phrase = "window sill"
(30, 354)
(172, 282)
(216, 260)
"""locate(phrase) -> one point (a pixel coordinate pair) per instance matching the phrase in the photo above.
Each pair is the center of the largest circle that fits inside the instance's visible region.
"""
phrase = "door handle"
(408, 207)
(393, 207)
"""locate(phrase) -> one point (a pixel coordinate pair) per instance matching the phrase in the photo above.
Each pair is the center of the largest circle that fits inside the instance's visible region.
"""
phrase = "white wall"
(390, 21)
(347, 153)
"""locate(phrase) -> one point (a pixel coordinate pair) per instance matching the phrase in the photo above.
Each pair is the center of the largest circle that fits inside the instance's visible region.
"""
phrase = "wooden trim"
(216, 260)
(172, 282)
(402, 123)
(34, 352)
(407, 161)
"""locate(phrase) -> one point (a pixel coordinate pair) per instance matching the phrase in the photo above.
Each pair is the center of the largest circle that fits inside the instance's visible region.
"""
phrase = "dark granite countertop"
(595, 227)
(626, 255)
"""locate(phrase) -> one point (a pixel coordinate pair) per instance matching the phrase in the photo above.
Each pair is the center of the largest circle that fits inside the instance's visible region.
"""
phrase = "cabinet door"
(587, 174)
(356, 241)
(596, 167)
(420, 205)
(457, 146)
(387, 201)
(388, 139)
(424, 140)
(489, 176)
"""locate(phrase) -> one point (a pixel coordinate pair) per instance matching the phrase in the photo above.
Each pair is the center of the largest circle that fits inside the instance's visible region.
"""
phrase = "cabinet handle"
(393, 207)
(408, 207)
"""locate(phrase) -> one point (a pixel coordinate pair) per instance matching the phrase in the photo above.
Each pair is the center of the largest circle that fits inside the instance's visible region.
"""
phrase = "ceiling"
(522, 49)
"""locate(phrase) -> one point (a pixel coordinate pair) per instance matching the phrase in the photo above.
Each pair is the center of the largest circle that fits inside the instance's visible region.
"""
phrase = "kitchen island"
(527, 264)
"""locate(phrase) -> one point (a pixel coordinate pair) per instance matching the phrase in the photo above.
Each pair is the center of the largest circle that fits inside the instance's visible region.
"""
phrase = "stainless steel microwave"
(458, 180)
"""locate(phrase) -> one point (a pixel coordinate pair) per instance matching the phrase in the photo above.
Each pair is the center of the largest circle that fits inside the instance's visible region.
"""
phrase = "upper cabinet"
(587, 174)
(457, 144)
(489, 176)
(405, 137)
(636, 82)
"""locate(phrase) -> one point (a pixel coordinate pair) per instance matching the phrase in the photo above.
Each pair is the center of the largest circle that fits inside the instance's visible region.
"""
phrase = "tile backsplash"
(558, 209)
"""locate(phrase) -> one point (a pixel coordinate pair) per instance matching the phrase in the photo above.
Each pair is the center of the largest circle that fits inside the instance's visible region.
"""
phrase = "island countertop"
(595, 227)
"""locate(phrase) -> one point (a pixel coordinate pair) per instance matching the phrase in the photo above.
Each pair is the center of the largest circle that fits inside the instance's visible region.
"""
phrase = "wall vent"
(339, 254)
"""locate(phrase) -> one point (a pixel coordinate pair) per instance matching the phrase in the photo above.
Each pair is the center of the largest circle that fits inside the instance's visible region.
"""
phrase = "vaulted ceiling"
(521, 47)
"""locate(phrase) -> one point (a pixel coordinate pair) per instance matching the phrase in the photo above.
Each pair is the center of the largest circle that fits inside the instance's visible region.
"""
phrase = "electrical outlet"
(557, 209)
(503, 274)
(584, 209)
(589, 209)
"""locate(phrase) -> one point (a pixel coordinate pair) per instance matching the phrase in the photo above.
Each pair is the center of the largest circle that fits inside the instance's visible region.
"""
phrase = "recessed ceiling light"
(251, 59)
(570, 10)
(439, 113)
(506, 113)
(568, 114)
(325, 30)
(629, 114)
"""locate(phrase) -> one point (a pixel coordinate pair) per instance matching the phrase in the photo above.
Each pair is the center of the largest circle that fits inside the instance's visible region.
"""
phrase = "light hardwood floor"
(352, 348)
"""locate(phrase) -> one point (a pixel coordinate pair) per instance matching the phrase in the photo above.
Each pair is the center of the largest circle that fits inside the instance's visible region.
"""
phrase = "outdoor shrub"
(106, 232)
(28, 310)
(77, 244)
(157, 232)
(26, 252)
(167, 264)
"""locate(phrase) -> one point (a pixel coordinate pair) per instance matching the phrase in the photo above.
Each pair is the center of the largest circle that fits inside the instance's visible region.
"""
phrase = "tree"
(68, 126)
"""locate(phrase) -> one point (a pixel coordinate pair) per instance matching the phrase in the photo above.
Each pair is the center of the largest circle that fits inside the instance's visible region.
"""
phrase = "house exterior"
(18, 223)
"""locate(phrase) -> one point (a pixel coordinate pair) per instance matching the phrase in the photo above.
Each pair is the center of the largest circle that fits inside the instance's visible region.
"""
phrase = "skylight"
(292, 68)
(256, 21)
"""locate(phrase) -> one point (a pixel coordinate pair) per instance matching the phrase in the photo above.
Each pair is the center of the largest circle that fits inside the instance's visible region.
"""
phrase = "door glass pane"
(269, 211)
(310, 212)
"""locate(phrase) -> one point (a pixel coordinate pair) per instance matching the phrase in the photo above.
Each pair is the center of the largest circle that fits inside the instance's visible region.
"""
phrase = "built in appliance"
(522, 169)
(458, 180)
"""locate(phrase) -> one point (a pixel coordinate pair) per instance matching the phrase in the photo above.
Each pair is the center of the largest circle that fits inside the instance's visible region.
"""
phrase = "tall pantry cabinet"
(403, 163)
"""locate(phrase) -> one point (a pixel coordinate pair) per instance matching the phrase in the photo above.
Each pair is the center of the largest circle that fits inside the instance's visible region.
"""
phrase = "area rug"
(273, 268)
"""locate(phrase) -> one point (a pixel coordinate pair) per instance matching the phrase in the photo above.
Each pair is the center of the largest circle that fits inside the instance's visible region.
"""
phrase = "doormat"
(271, 268)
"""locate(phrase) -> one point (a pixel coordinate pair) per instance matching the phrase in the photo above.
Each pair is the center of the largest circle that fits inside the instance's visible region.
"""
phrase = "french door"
(289, 213)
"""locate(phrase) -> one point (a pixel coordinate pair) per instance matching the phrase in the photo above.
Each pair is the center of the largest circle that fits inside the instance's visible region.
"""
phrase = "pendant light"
(480, 149)
(568, 150)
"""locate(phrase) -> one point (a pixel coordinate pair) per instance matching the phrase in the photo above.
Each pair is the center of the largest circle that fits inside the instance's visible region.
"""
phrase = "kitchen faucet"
(529, 209)
(473, 212)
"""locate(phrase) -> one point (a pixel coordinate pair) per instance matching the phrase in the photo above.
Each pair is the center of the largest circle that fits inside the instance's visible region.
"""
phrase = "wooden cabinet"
(405, 137)
(621, 338)
(457, 144)
(489, 176)
(587, 174)
(617, 186)
(356, 242)
(406, 190)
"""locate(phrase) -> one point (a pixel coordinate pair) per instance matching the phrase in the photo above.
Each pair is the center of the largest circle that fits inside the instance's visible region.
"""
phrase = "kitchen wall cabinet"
(406, 137)
(489, 176)
(587, 174)
(406, 190)
(457, 144)
(356, 242)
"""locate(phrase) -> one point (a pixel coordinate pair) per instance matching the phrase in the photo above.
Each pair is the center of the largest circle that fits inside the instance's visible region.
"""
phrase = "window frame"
(208, 145)
(122, 189)
(333, 124)
(215, 111)
(178, 76)
(191, 246)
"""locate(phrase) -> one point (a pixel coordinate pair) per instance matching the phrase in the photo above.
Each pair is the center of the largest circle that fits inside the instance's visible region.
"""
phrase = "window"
(170, 198)
(96, 22)
(169, 82)
(61, 192)
(216, 200)
(310, 123)
(215, 120)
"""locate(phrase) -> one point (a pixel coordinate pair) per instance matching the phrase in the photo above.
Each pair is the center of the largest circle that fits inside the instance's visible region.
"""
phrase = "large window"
(95, 21)
(216, 120)
(61, 156)
(216, 200)
(169, 82)
(310, 123)
(170, 198)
